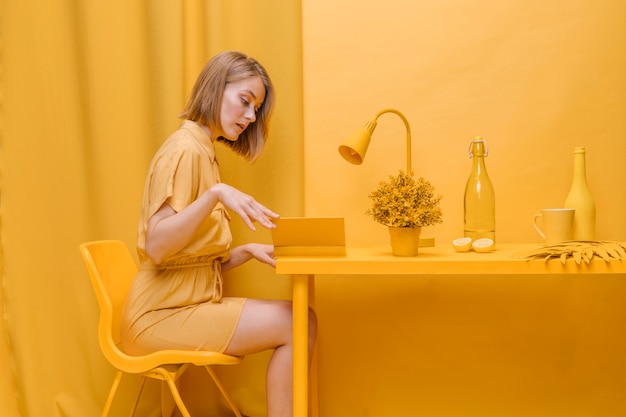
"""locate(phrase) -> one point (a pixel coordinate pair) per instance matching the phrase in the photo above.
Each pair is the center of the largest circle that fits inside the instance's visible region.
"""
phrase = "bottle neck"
(580, 170)
(478, 151)
(478, 164)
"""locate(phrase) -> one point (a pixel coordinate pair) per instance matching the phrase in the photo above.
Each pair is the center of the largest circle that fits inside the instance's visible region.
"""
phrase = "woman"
(184, 238)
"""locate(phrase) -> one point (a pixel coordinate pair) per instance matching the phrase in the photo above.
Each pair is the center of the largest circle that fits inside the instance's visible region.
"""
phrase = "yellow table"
(440, 260)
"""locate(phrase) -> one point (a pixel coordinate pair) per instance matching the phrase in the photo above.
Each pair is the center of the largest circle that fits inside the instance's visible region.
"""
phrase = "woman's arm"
(170, 231)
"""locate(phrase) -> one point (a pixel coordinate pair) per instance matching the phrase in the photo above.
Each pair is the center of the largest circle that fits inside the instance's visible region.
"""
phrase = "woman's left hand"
(242, 254)
(263, 253)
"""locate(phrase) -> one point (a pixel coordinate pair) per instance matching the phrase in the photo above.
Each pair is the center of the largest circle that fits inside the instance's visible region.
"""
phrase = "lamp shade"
(354, 148)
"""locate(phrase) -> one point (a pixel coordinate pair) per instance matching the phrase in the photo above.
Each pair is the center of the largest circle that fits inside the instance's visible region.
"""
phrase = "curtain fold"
(88, 91)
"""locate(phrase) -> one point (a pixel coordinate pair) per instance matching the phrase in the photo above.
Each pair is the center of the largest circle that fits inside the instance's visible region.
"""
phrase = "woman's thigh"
(264, 324)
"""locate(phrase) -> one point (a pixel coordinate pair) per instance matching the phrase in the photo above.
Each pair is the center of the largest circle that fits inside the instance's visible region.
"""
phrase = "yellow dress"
(178, 304)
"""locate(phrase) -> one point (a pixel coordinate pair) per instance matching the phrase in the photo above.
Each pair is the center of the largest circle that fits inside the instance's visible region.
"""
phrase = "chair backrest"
(111, 268)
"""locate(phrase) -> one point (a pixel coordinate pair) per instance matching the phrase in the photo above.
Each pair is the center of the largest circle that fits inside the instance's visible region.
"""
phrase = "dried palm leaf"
(580, 251)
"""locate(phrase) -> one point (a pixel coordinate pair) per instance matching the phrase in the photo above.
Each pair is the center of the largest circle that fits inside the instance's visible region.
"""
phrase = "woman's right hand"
(245, 206)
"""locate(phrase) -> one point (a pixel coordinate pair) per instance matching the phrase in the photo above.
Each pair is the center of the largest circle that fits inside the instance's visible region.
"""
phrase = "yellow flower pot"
(404, 240)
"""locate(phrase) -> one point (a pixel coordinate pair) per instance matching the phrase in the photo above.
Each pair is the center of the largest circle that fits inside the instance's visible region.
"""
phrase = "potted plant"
(405, 205)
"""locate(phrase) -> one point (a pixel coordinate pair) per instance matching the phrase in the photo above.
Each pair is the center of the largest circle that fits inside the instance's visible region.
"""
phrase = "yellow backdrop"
(89, 91)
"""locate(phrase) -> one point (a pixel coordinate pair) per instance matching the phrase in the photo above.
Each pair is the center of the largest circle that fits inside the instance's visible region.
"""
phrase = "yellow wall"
(535, 79)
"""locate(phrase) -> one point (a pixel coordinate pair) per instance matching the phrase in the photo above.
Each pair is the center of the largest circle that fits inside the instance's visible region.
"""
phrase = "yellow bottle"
(479, 203)
(580, 199)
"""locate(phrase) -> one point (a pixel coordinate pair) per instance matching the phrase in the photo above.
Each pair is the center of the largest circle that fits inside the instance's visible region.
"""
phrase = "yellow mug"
(556, 224)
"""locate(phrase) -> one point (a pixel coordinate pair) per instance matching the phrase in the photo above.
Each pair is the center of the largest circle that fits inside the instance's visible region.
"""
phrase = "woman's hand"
(263, 253)
(242, 254)
(245, 206)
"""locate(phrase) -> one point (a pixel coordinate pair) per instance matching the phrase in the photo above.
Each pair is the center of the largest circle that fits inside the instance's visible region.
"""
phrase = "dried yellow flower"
(403, 201)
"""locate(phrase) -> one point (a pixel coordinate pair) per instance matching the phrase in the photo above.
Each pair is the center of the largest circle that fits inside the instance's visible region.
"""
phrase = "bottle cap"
(478, 147)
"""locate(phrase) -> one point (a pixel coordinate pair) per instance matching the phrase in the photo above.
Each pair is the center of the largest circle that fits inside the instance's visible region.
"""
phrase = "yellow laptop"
(309, 236)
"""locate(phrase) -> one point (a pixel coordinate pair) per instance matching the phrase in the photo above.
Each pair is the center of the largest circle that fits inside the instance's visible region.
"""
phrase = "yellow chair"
(112, 269)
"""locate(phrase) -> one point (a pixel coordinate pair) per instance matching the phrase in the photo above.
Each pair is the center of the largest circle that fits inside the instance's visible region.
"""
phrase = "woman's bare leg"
(267, 324)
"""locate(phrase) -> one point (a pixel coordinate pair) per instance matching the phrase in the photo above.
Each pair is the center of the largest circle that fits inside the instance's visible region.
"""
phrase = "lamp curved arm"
(408, 134)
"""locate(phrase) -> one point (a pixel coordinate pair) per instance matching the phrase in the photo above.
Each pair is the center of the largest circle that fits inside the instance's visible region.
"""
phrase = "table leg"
(300, 345)
(313, 375)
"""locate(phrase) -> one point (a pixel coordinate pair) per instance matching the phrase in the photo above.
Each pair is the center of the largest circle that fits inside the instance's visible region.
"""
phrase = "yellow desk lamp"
(354, 148)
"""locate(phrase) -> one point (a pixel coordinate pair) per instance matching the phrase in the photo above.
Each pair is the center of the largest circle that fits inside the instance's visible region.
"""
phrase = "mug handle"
(537, 216)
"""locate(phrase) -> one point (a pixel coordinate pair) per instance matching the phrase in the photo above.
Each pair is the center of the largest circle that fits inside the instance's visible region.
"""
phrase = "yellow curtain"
(89, 90)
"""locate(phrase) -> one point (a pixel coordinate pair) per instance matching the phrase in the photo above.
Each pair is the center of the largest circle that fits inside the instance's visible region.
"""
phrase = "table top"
(441, 260)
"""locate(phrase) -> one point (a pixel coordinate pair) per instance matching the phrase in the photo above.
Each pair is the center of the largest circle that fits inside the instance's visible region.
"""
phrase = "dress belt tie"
(217, 282)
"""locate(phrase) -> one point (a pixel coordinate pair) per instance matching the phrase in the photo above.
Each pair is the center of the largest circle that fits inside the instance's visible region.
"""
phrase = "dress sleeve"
(175, 177)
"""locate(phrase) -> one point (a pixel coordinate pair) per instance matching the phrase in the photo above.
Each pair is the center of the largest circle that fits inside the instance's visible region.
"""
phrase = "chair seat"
(143, 363)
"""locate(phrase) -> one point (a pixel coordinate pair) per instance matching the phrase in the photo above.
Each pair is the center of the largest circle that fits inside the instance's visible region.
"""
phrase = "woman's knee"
(282, 311)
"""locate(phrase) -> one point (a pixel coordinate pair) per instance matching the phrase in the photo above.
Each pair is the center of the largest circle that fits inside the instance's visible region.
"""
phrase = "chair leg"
(222, 389)
(167, 401)
(141, 385)
(112, 391)
(179, 401)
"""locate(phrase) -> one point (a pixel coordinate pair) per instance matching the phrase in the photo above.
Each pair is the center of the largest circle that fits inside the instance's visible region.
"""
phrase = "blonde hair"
(205, 102)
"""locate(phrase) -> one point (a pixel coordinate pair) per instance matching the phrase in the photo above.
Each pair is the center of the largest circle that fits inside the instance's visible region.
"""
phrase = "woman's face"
(240, 103)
